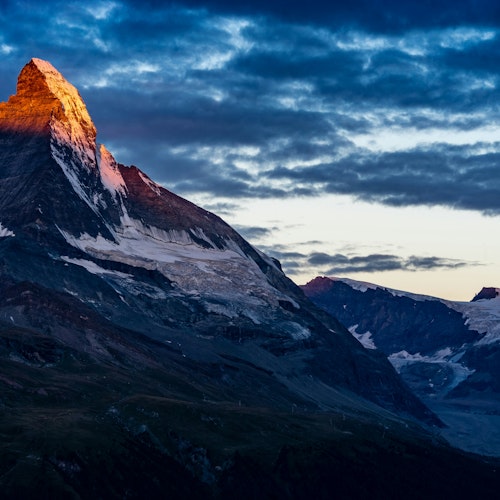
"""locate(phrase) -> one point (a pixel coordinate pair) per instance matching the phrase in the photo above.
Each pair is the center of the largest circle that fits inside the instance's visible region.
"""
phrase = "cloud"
(253, 233)
(457, 176)
(386, 16)
(337, 264)
(342, 264)
(221, 208)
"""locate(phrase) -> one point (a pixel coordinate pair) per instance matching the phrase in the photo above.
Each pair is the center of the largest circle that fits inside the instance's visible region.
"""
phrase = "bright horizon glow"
(400, 139)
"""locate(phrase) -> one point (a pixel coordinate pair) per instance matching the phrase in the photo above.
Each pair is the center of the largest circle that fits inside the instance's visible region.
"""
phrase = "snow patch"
(111, 176)
(297, 332)
(4, 232)
(136, 242)
(93, 268)
(365, 338)
(482, 316)
(118, 280)
(221, 277)
(460, 372)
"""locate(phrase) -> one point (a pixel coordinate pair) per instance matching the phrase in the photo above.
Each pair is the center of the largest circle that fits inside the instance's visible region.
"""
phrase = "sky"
(356, 139)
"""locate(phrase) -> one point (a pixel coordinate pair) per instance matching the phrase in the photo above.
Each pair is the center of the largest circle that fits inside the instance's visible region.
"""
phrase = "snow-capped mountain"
(66, 192)
(147, 349)
(445, 350)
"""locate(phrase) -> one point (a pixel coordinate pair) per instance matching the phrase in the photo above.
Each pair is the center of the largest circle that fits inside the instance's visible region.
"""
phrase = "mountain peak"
(45, 98)
(45, 67)
(49, 145)
(39, 76)
(487, 293)
(35, 77)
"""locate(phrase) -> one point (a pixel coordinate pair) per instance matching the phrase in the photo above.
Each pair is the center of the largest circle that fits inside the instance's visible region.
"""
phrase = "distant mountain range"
(148, 350)
(445, 351)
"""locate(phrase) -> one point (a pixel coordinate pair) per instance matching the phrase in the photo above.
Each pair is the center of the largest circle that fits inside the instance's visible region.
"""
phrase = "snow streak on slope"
(152, 185)
(110, 173)
(73, 134)
(219, 279)
(118, 280)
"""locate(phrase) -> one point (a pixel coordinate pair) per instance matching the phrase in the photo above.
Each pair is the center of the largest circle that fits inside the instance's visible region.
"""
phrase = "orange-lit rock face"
(47, 145)
(31, 109)
(47, 105)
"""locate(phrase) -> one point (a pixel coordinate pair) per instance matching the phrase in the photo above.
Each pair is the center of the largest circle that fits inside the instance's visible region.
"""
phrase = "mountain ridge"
(446, 351)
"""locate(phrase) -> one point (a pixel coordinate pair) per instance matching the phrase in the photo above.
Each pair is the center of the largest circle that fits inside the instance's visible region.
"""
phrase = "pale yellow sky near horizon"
(339, 224)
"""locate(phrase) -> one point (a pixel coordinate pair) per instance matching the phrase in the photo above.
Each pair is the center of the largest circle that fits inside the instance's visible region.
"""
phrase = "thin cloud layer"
(338, 264)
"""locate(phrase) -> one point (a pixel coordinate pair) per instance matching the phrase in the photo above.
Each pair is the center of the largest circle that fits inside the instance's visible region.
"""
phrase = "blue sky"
(360, 139)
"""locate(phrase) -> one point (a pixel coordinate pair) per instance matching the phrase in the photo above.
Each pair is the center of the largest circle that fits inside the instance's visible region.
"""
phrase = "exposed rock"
(487, 293)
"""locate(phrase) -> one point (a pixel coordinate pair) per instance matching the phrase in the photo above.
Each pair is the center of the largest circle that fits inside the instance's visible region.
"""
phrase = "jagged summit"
(487, 293)
(43, 98)
(40, 79)
(69, 122)
(51, 177)
(49, 140)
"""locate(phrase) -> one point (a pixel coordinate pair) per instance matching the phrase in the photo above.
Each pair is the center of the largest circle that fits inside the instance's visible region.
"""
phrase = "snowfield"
(366, 338)
(220, 277)
(483, 316)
